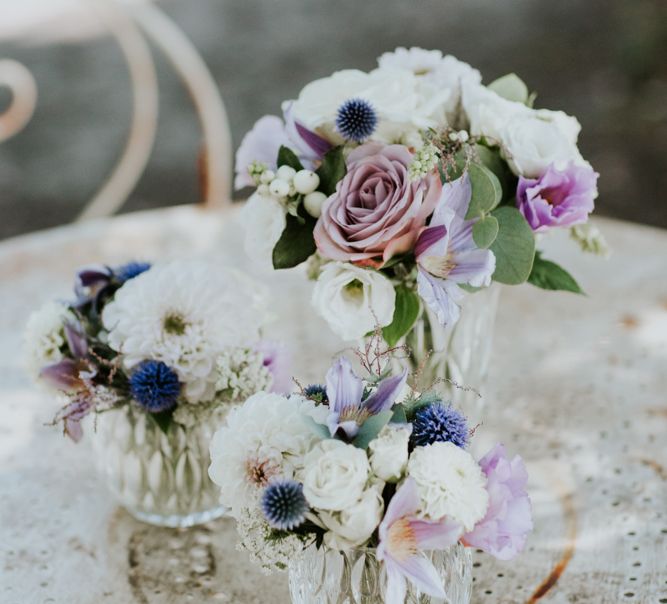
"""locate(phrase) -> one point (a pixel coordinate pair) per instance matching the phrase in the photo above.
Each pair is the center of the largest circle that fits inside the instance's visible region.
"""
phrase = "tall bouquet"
(410, 187)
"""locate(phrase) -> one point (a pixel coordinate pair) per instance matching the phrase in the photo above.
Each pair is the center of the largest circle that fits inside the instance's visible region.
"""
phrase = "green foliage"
(296, 244)
(485, 231)
(331, 171)
(486, 190)
(406, 312)
(163, 419)
(371, 428)
(319, 430)
(514, 247)
(399, 416)
(492, 160)
(549, 275)
(287, 157)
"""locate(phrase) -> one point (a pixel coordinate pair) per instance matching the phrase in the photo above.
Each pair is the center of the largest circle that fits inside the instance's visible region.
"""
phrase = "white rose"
(334, 475)
(263, 220)
(353, 300)
(389, 452)
(355, 524)
(450, 483)
(487, 111)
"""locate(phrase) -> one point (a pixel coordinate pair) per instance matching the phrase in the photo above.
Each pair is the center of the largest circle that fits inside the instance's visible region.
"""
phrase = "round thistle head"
(155, 386)
(130, 270)
(284, 505)
(317, 393)
(439, 423)
(356, 120)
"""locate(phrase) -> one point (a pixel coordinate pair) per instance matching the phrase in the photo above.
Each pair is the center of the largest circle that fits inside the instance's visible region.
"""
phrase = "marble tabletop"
(578, 387)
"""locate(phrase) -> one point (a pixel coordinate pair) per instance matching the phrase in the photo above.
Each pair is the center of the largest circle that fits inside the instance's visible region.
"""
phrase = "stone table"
(577, 387)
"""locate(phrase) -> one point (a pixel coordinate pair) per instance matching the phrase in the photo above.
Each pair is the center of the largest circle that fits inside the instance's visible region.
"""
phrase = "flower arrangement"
(411, 186)
(366, 463)
(175, 341)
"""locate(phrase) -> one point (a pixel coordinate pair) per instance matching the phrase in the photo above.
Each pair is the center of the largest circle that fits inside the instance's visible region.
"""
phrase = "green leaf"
(514, 247)
(296, 244)
(287, 157)
(485, 231)
(371, 428)
(405, 314)
(163, 419)
(486, 190)
(318, 429)
(548, 275)
(331, 171)
(510, 87)
(398, 414)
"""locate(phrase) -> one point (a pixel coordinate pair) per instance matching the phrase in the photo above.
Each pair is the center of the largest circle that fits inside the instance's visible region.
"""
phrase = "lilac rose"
(377, 211)
(503, 531)
(559, 198)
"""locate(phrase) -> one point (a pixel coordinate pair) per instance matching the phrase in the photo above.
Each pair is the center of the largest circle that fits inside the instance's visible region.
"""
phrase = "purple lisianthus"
(561, 197)
(502, 532)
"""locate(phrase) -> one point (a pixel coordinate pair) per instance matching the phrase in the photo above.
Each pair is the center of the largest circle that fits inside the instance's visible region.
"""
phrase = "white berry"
(285, 173)
(313, 203)
(266, 177)
(306, 181)
(463, 136)
(279, 187)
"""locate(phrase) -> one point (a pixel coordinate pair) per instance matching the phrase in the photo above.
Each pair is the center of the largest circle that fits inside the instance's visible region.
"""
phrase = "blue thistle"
(130, 270)
(155, 386)
(439, 423)
(356, 120)
(284, 505)
(316, 392)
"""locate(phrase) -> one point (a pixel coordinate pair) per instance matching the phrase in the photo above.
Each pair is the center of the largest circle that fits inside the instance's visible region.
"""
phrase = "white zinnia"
(263, 219)
(264, 438)
(184, 313)
(44, 336)
(353, 300)
(450, 483)
(389, 451)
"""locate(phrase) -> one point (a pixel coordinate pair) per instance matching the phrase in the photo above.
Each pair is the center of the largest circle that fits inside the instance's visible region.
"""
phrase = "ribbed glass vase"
(356, 576)
(159, 477)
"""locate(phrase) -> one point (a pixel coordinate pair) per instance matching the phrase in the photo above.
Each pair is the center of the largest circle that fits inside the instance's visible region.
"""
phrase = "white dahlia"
(44, 336)
(264, 438)
(184, 313)
(450, 483)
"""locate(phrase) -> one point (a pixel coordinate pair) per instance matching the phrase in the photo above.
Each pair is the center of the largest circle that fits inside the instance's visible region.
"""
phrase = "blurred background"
(601, 60)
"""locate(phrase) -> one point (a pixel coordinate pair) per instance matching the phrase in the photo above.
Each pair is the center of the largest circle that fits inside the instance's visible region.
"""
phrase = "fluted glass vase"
(356, 576)
(159, 476)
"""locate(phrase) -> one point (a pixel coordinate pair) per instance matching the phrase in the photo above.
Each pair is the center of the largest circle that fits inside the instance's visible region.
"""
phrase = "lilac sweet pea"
(345, 392)
(502, 532)
(403, 537)
(559, 198)
(447, 255)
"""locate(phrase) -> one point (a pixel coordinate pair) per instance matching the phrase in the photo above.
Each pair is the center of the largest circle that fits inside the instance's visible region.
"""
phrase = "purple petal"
(405, 502)
(474, 267)
(396, 584)
(277, 360)
(63, 375)
(421, 573)
(441, 296)
(318, 144)
(435, 535)
(429, 237)
(310, 146)
(76, 340)
(344, 388)
(388, 389)
(93, 275)
(73, 429)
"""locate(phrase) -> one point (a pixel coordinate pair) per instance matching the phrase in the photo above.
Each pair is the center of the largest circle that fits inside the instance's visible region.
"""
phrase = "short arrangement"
(411, 186)
(176, 340)
(366, 463)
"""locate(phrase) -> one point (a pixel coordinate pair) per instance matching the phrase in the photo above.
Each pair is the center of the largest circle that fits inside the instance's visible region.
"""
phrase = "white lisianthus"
(334, 475)
(263, 219)
(353, 300)
(450, 483)
(355, 524)
(44, 336)
(389, 451)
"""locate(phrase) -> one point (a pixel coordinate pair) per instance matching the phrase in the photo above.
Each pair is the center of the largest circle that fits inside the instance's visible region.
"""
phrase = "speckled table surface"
(577, 387)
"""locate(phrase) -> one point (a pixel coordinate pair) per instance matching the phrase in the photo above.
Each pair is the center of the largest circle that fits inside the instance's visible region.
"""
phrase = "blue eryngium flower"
(284, 505)
(439, 423)
(155, 386)
(316, 392)
(348, 409)
(356, 120)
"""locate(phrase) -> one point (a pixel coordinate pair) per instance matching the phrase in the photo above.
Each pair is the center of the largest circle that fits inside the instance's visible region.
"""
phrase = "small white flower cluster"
(241, 373)
(425, 161)
(590, 239)
(44, 336)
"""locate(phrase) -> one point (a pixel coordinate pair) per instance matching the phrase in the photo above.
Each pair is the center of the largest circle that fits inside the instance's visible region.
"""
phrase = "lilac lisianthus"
(502, 532)
(561, 197)
(447, 255)
(277, 360)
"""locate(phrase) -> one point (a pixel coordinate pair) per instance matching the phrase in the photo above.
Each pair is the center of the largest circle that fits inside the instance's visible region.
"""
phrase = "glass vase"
(454, 360)
(356, 576)
(160, 477)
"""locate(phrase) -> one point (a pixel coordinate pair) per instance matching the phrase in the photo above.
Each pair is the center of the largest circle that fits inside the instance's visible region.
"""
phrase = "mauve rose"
(559, 198)
(376, 211)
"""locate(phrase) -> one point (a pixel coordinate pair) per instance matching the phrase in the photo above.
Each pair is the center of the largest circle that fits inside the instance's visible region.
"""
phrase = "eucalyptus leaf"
(371, 428)
(331, 171)
(163, 419)
(486, 190)
(287, 157)
(514, 247)
(485, 231)
(510, 87)
(318, 429)
(406, 312)
(398, 414)
(549, 275)
(296, 244)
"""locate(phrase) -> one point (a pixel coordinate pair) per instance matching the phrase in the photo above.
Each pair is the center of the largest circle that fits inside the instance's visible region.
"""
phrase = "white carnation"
(353, 300)
(450, 483)
(184, 313)
(355, 524)
(264, 438)
(240, 373)
(44, 336)
(389, 452)
(263, 220)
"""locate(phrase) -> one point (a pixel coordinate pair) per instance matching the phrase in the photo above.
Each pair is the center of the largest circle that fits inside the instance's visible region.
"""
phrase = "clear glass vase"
(159, 477)
(356, 576)
(454, 360)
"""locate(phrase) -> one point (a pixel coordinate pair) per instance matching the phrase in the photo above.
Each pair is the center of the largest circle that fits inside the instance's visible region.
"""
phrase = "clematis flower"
(502, 532)
(403, 537)
(96, 282)
(345, 393)
(447, 255)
